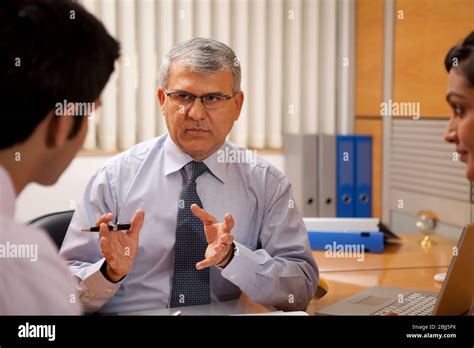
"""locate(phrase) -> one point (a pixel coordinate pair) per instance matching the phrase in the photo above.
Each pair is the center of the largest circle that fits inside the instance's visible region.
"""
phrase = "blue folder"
(345, 166)
(363, 176)
(370, 242)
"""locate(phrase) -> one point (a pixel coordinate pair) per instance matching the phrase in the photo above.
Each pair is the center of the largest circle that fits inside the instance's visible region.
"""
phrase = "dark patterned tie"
(190, 286)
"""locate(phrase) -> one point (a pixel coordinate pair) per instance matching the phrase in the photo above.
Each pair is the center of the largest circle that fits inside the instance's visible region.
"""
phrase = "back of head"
(51, 51)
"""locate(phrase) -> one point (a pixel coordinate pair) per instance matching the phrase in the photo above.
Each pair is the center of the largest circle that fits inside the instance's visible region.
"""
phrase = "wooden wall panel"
(369, 57)
(422, 39)
(373, 127)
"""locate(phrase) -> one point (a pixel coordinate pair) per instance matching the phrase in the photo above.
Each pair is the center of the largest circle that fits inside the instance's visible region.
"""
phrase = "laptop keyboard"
(413, 304)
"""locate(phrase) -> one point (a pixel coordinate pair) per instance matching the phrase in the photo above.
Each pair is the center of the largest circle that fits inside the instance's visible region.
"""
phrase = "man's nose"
(451, 131)
(197, 110)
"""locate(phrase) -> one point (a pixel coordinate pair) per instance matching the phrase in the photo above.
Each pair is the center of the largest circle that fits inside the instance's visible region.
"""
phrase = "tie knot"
(193, 169)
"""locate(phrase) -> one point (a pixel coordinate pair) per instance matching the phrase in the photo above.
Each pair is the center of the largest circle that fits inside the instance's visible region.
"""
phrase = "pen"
(112, 227)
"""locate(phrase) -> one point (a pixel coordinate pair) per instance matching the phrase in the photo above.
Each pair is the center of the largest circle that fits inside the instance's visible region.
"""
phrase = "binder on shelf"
(301, 170)
(342, 224)
(326, 175)
(349, 226)
(363, 176)
(345, 166)
(369, 242)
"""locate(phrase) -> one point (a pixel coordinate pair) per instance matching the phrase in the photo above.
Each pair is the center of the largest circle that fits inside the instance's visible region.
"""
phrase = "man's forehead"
(185, 78)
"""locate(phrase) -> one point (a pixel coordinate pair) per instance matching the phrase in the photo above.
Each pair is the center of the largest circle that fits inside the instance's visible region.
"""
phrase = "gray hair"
(205, 56)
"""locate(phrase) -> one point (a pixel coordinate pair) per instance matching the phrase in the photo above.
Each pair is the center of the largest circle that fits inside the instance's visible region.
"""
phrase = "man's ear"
(161, 99)
(57, 129)
(239, 101)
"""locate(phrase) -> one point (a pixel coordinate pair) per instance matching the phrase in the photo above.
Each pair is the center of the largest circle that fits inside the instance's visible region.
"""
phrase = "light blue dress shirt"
(273, 263)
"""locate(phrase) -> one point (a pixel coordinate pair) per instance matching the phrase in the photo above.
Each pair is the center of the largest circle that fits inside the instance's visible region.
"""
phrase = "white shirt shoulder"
(34, 280)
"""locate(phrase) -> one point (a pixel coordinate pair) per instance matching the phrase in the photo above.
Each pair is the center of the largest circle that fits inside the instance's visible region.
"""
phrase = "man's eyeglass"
(210, 101)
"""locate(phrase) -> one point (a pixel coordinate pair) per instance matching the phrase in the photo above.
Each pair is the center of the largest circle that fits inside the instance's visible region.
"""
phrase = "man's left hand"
(219, 238)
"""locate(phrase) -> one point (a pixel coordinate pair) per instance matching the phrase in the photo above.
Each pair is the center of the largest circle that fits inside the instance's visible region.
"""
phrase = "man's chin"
(197, 150)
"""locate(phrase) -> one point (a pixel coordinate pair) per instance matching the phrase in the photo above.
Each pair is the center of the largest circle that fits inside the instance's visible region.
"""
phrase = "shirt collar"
(7, 194)
(175, 159)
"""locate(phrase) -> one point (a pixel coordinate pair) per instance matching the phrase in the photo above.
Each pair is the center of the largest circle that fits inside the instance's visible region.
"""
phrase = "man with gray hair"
(183, 255)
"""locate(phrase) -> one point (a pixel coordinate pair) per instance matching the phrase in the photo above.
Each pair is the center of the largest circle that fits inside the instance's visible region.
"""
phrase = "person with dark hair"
(55, 59)
(459, 63)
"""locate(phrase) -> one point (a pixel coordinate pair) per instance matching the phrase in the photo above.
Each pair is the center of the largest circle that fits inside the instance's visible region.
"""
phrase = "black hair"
(462, 55)
(51, 51)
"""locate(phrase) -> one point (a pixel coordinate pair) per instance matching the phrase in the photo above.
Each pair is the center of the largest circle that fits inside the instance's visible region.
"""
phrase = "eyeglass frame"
(227, 97)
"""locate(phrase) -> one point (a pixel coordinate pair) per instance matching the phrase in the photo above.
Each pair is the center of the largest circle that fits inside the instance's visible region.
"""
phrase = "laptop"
(455, 296)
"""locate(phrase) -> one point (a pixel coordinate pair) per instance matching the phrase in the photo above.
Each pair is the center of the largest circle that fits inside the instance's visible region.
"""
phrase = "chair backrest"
(56, 224)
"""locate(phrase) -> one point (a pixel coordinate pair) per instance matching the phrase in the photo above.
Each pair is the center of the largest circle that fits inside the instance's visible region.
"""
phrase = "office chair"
(56, 224)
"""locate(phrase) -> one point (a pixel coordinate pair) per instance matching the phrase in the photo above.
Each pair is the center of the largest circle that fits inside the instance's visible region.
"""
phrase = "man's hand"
(218, 236)
(119, 248)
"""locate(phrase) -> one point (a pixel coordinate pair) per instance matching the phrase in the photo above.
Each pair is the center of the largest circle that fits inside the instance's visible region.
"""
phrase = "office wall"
(423, 30)
(423, 33)
(369, 57)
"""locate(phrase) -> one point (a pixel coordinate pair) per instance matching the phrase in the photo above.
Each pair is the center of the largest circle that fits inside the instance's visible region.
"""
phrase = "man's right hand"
(119, 248)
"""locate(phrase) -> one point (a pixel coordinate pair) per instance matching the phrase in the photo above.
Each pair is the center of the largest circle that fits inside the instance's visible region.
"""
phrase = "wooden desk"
(405, 265)
(406, 255)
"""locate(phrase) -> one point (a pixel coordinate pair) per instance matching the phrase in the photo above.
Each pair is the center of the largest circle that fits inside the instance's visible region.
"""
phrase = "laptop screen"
(457, 294)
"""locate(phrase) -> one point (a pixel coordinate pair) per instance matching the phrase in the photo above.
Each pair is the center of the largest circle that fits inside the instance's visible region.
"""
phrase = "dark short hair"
(463, 56)
(51, 51)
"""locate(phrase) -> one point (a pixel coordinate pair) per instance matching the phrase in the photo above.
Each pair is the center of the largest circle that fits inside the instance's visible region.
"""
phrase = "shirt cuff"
(96, 289)
(243, 262)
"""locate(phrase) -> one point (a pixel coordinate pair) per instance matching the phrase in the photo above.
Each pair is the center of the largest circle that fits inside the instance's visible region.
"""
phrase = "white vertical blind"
(274, 64)
(345, 65)
(202, 24)
(107, 130)
(221, 20)
(185, 18)
(90, 143)
(127, 112)
(309, 93)
(327, 68)
(257, 88)
(291, 54)
(147, 71)
(240, 16)
(292, 78)
(165, 40)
